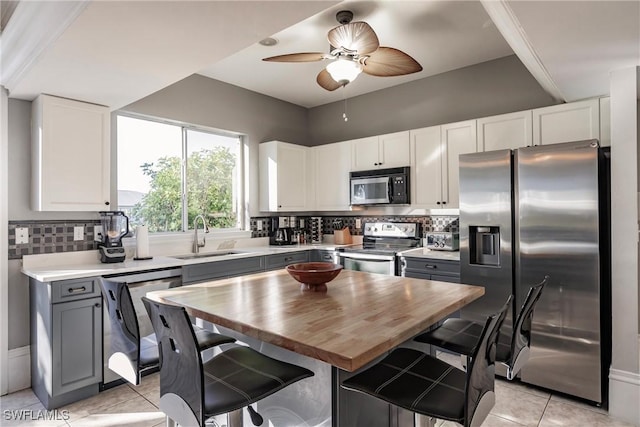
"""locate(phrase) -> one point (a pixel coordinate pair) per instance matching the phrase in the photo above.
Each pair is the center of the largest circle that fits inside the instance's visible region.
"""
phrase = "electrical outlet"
(97, 233)
(22, 235)
(358, 223)
(78, 232)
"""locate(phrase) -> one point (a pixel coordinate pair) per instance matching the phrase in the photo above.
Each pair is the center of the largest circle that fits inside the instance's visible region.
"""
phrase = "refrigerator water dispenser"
(484, 245)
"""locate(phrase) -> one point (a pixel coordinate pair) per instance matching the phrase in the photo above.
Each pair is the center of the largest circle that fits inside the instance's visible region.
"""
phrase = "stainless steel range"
(381, 241)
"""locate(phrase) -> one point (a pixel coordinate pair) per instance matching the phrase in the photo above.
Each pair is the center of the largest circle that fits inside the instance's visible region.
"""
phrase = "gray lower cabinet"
(66, 340)
(237, 267)
(274, 262)
(430, 269)
(323, 255)
(221, 269)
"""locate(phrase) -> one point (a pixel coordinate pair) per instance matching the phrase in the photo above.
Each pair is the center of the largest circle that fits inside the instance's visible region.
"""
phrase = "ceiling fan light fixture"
(344, 70)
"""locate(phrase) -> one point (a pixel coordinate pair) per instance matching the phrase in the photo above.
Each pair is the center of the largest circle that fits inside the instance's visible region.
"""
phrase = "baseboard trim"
(19, 369)
(624, 395)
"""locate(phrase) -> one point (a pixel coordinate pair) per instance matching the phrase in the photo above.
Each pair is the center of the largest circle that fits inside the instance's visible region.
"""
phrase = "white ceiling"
(116, 52)
(440, 35)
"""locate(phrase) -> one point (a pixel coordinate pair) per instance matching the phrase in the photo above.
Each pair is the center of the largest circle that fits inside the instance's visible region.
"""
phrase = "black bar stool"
(461, 336)
(428, 386)
(192, 392)
(132, 355)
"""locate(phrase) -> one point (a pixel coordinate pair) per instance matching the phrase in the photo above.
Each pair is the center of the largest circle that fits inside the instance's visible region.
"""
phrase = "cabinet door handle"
(444, 203)
(430, 266)
(437, 203)
(288, 258)
(76, 290)
(106, 203)
(97, 305)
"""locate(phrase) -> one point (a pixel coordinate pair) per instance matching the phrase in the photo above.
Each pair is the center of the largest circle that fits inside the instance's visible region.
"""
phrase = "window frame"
(241, 170)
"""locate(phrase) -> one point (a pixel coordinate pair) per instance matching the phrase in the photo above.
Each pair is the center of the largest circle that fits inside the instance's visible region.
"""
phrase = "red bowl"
(314, 275)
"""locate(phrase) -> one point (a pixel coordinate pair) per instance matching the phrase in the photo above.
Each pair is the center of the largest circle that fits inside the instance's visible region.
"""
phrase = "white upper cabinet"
(381, 152)
(426, 167)
(70, 153)
(567, 122)
(457, 138)
(332, 165)
(506, 131)
(434, 170)
(284, 171)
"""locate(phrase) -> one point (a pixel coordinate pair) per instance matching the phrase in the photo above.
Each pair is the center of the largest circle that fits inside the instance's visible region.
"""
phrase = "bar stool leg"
(234, 419)
(170, 422)
(423, 421)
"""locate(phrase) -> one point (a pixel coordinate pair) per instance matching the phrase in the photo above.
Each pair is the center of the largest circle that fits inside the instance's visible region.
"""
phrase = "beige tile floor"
(516, 405)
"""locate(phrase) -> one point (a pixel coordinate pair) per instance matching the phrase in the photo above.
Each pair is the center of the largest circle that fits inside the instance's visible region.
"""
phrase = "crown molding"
(32, 29)
(507, 23)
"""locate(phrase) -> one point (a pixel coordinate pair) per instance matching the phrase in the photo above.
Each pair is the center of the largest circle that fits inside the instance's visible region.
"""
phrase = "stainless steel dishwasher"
(139, 284)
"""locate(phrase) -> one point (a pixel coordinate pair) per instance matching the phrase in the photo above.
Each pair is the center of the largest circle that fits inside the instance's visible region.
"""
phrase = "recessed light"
(269, 41)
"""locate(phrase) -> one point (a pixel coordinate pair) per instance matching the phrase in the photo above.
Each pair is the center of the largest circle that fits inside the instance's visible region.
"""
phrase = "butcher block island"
(360, 318)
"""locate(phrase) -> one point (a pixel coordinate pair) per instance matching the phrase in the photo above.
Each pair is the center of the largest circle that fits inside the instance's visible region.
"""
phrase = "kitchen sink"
(206, 255)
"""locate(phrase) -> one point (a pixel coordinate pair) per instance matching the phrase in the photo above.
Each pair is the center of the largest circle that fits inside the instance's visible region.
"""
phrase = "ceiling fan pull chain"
(344, 114)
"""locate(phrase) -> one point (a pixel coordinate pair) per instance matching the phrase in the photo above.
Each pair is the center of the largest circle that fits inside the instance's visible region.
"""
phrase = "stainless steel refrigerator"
(531, 212)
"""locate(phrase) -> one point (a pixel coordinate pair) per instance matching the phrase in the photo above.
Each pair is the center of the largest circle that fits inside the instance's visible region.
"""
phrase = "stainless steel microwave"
(380, 187)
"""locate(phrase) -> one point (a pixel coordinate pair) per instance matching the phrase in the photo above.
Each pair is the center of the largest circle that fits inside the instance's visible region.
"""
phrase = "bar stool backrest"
(481, 369)
(125, 332)
(181, 372)
(521, 340)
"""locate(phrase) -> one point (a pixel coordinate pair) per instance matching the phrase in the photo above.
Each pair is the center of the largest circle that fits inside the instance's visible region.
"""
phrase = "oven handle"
(372, 257)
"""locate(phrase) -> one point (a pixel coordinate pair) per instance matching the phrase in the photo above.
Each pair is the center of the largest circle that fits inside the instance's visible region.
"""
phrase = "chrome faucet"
(196, 243)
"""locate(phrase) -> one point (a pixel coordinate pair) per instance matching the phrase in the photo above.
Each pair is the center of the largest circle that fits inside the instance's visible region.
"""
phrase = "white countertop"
(75, 265)
(428, 253)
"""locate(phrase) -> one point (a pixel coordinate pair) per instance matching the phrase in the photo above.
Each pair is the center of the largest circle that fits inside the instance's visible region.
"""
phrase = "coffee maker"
(281, 233)
(115, 225)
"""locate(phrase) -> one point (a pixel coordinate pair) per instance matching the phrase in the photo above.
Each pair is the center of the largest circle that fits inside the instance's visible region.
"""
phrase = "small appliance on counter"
(443, 240)
(115, 225)
(282, 236)
(280, 232)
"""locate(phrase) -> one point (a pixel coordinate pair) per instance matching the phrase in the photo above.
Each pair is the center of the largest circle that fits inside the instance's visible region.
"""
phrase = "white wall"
(624, 380)
(4, 240)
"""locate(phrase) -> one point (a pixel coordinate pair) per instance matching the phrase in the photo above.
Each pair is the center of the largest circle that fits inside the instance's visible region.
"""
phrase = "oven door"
(370, 191)
(370, 263)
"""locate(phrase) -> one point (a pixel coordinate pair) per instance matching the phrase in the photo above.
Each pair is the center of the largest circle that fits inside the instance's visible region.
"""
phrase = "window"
(168, 174)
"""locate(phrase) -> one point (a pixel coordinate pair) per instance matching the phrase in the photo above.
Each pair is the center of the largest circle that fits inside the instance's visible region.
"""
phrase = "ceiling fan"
(354, 49)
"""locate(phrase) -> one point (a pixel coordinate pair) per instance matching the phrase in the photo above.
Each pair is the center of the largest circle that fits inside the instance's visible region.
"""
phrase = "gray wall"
(495, 87)
(203, 101)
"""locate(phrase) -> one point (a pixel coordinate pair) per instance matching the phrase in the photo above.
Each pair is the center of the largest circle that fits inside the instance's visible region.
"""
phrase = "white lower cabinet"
(332, 166)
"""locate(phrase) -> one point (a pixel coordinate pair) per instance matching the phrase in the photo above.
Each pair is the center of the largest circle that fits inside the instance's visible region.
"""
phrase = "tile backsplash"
(429, 223)
(58, 235)
(47, 237)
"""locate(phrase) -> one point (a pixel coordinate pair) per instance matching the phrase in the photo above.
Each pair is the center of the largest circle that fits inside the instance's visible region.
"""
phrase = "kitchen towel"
(142, 242)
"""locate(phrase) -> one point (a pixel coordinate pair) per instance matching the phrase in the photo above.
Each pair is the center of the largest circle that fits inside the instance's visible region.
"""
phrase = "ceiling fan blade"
(358, 36)
(299, 57)
(387, 62)
(325, 80)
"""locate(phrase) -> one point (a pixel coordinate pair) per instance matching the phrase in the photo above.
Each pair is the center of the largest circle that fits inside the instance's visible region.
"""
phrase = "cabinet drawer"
(431, 266)
(273, 262)
(71, 290)
(221, 269)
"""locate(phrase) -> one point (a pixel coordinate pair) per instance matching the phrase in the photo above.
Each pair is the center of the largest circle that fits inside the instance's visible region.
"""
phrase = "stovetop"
(388, 237)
